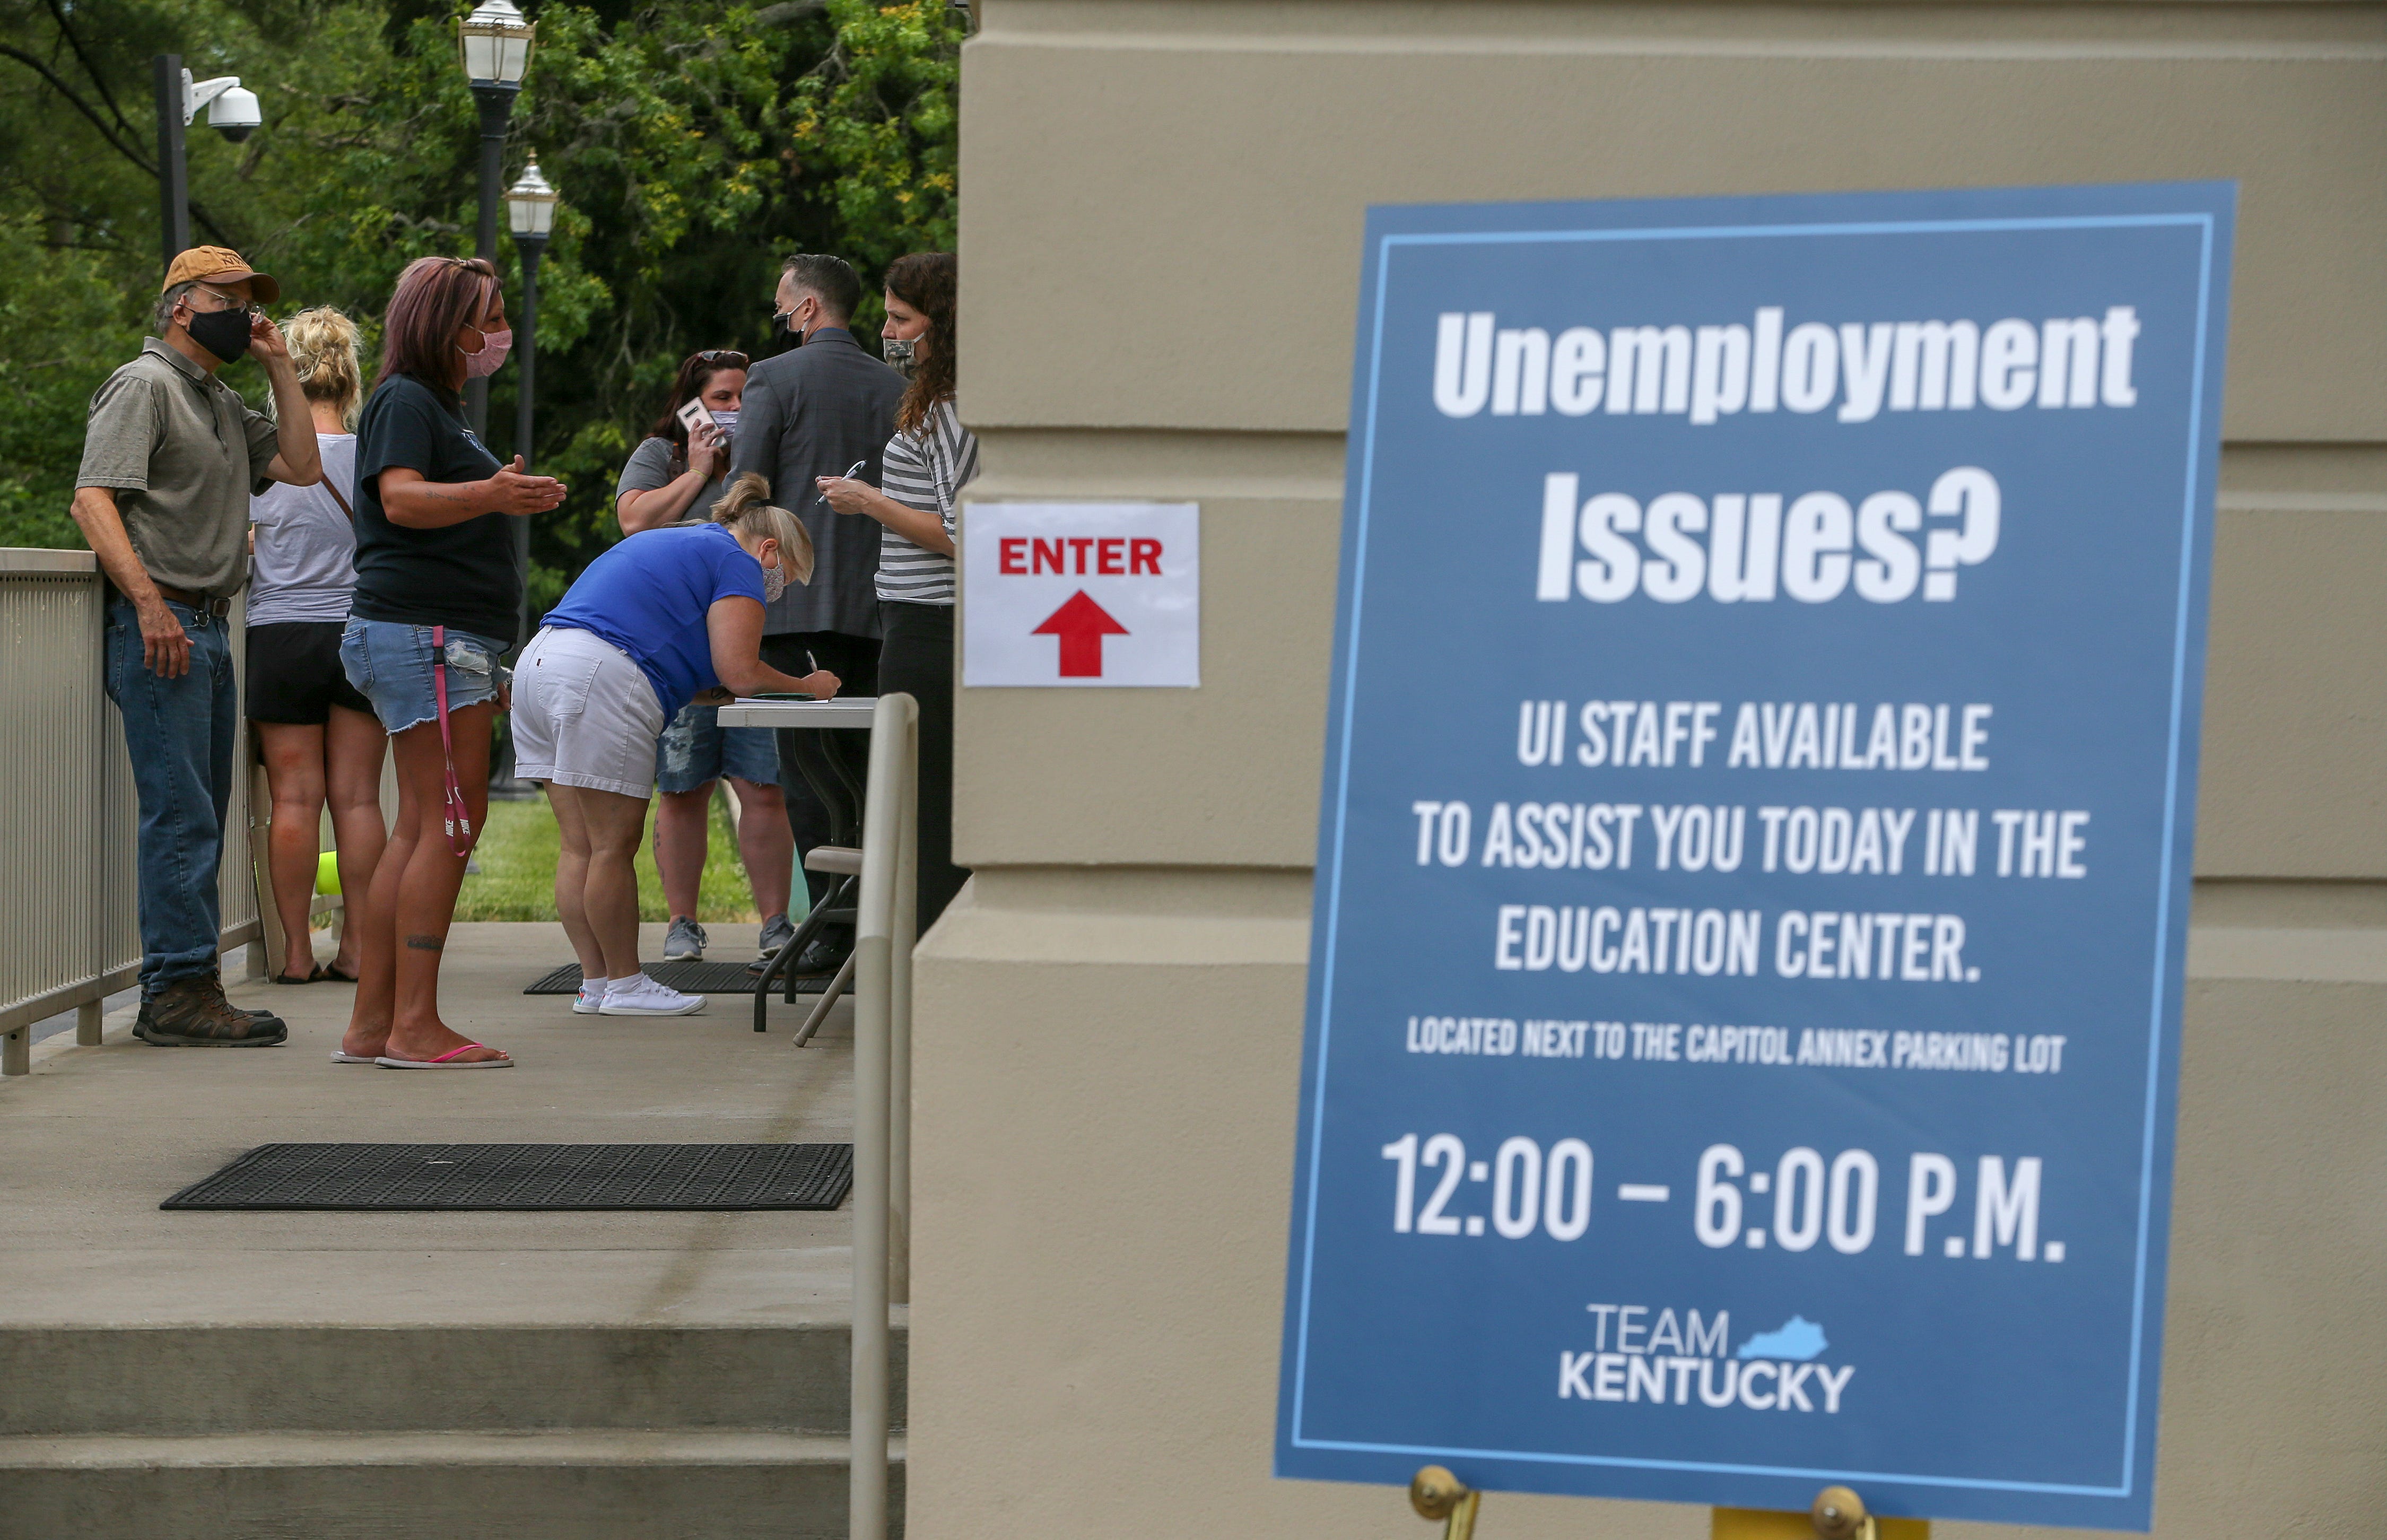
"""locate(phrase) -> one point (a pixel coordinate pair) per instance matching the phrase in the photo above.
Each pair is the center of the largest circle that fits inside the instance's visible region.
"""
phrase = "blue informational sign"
(1753, 870)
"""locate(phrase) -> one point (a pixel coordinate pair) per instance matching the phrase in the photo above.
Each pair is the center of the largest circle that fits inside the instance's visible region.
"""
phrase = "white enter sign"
(1081, 593)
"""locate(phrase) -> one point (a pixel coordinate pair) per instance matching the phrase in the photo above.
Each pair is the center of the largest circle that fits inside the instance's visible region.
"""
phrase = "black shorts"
(295, 674)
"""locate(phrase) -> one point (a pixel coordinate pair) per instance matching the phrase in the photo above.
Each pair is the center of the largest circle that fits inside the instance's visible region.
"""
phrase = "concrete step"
(339, 1375)
(617, 1483)
(187, 1381)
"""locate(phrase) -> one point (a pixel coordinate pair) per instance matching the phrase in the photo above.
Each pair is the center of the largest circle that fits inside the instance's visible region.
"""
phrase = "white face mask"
(726, 421)
(775, 581)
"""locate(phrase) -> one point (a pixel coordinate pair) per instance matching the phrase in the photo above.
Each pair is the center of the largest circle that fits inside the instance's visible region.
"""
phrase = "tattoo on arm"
(426, 943)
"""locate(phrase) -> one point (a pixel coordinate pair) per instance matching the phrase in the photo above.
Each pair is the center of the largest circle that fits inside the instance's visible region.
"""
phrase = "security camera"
(231, 111)
(235, 114)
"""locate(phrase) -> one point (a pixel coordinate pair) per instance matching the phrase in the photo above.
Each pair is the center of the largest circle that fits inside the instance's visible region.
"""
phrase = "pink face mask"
(494, 345)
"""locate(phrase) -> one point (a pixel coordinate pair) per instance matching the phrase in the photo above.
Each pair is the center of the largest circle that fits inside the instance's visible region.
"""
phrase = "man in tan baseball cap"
(171, 457)
(222, 266)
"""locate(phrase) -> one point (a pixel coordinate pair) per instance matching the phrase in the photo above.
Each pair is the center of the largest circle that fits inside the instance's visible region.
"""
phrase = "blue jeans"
(180, 733)
(696, 750)
(389, 663)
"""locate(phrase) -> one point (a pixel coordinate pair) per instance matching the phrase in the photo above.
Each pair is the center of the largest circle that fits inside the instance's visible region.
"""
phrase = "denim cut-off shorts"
(585, 714)
(696, 750)
(389, 662)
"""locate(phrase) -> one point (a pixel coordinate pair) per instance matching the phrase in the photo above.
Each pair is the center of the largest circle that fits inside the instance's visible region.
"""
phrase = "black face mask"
(222, 333)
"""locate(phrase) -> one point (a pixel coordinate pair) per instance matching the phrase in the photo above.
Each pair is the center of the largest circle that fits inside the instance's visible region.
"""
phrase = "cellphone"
(781, 695)
(692, 416)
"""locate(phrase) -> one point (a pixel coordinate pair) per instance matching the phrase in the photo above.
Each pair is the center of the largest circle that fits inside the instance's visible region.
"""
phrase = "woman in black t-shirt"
(435, 585)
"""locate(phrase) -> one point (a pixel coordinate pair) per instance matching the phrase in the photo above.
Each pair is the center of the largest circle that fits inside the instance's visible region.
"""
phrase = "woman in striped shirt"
(930, 459)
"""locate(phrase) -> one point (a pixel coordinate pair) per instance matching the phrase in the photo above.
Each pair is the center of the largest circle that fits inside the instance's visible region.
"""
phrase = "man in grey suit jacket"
(812, 411)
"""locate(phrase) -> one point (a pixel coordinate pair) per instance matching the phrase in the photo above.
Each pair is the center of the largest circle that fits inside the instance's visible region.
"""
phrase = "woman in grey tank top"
(320, 738)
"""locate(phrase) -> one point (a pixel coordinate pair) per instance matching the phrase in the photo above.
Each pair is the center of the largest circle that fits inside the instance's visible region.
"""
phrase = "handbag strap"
(333, 489)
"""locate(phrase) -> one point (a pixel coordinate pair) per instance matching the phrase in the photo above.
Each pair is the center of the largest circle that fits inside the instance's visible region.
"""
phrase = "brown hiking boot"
(193, 1013)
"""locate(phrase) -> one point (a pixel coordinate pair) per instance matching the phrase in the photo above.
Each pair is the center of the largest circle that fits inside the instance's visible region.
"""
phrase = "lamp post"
(530, 212)
(494, 43)
(232, 113)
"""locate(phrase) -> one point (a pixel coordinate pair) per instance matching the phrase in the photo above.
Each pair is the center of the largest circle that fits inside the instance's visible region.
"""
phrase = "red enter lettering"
(1113, 558)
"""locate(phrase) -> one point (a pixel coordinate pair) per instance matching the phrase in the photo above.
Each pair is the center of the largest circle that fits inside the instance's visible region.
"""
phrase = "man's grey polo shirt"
(182, 453)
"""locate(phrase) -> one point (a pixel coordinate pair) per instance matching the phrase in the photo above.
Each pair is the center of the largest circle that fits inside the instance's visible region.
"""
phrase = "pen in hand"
(851, 472)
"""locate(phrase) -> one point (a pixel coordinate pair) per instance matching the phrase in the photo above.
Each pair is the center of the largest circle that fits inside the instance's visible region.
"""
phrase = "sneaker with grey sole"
(777, 931)
(684, 942)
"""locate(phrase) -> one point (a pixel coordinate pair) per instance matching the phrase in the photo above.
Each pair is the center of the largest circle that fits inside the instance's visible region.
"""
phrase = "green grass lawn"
(517, 877)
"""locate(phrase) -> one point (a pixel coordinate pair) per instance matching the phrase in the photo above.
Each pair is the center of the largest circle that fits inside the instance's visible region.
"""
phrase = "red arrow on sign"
(1081, 624)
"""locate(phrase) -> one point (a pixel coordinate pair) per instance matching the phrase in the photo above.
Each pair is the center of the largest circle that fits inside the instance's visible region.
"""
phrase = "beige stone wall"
(1161, 236)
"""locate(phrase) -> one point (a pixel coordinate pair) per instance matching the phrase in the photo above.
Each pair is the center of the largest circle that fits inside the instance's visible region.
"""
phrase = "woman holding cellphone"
(673, 475)
(437, 599)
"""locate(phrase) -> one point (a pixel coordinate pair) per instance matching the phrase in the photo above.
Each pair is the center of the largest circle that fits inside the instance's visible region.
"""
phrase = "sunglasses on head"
(727, 358)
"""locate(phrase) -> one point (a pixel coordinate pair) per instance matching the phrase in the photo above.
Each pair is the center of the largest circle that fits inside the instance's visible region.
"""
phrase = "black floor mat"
(527, 1177)
(707, 978)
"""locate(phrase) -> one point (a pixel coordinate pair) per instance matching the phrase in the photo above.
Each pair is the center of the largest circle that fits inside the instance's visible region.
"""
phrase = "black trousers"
(854, 661)
(917, 658)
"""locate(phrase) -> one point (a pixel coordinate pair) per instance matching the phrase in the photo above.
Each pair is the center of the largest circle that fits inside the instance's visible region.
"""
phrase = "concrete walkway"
(94, 1138)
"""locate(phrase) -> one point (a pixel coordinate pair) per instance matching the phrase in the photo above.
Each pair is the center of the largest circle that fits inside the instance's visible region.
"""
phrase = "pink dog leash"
(458, 814)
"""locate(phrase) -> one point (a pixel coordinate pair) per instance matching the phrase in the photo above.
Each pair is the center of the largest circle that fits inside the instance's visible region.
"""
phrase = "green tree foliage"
(694, 144)
(879, 111)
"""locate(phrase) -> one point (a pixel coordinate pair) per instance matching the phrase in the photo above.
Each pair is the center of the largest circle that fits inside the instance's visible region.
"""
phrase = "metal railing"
(68, 822)
(882, 1091)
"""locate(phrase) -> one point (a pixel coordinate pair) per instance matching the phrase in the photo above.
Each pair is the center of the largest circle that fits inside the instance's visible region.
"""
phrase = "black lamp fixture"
(530, 213)
(494, 45)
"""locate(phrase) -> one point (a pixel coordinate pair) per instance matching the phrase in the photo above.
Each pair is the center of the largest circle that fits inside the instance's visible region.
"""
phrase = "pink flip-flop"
(340, 1056)
(447, 1061)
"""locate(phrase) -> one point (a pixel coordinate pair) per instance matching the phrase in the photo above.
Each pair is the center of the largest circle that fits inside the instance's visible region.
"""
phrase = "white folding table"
(855, 712)
(845, 711)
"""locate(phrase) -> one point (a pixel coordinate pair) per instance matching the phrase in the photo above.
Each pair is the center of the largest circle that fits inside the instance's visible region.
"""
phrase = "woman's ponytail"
(323, 345)
(747, 509)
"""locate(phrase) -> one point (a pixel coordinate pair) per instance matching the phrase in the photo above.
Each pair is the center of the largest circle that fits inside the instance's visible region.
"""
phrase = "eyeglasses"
(726, 358)
(231, 302)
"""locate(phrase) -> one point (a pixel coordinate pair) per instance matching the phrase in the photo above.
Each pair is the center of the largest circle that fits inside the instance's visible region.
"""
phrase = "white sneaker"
(591, 997)
(640, 996)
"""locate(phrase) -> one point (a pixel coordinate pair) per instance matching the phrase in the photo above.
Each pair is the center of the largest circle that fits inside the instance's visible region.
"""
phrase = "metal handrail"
(882, 1093)
(69, 824)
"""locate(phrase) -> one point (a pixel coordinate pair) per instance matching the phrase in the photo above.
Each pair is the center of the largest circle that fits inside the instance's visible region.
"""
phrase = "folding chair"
(843, 862)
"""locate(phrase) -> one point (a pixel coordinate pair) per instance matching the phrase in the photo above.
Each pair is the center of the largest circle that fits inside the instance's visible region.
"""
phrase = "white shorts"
(585, 714)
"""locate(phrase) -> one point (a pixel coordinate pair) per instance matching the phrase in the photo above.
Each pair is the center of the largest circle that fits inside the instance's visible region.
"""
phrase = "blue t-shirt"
(649, 595)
